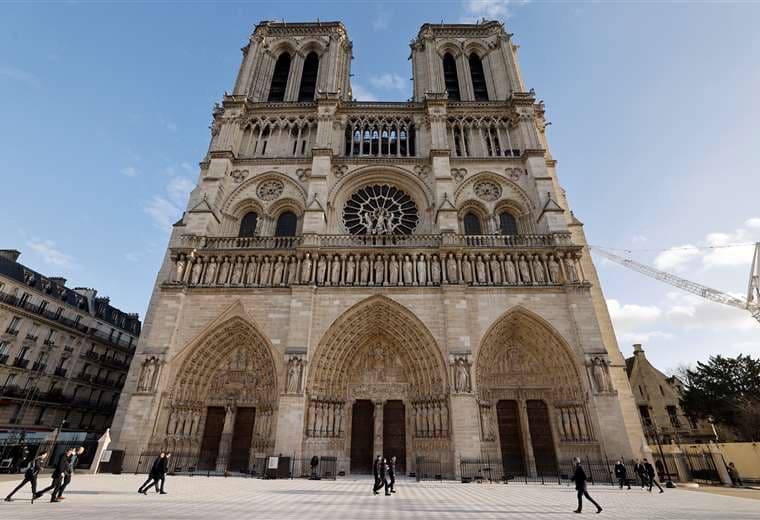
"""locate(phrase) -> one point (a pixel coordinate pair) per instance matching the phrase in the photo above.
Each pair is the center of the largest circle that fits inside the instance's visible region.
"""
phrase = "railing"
(3, 359)
(11, 332)
(20, 363)
(32, 337)
(49, 342)
(40, 311)
(203, 242)
(39, 366)
(60, 372)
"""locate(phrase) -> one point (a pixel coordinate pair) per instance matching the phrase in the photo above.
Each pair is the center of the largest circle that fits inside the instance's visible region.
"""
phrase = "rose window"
(380, 210)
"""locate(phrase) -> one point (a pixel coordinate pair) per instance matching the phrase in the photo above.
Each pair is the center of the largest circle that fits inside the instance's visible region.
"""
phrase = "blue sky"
(654, 109)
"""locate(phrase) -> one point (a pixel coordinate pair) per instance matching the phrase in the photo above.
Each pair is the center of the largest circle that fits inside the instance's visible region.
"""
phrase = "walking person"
(641, 473)
(621, 473)
(651, 476)
(163, 469)
(376, 470)
(579, 477)
(70, 470)
(392, 474)
(58, 473)
(384, 475)
(153, 474)
(734, 474)
(30, 475)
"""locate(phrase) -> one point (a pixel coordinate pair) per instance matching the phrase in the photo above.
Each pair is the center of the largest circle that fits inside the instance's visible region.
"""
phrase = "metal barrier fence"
(702, 465)
(15, 457)
(430, 468)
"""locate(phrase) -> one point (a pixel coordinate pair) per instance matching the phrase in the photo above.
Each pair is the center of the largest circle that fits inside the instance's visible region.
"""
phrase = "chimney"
(58, 280)
(637, 349)
(10, 254)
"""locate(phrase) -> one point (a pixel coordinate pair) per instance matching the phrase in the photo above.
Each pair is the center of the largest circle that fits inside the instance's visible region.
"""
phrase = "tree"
(728, 391)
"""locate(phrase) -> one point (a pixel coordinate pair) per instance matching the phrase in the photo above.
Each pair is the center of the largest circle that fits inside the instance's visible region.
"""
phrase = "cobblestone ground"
(115, 497)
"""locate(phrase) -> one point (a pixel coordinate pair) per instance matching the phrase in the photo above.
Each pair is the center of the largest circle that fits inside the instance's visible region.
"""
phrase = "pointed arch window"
(286, 225)
(478, 78)
(450, 77)
(309, 77)
(280, 78)
(472, 224)
(507, 224)
(248, 224)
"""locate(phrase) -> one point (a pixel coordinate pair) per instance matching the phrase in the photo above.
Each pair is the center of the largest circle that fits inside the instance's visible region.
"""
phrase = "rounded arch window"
(507, 223)
(248, 224)
(380, 210)
(286, 226)
(472, 224)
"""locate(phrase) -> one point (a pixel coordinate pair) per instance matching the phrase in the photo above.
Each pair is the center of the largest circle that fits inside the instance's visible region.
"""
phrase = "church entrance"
(212, 434)
(512, 457)
(241, 439)
(362, 436)
(394, 434)
(541, 437)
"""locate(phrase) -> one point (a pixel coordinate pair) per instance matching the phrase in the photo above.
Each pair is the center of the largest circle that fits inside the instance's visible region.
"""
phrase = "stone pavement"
(216, 498)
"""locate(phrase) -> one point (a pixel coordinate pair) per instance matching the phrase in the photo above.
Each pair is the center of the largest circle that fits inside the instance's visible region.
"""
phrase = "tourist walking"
(70, 470)
(579, 477)
(153, 474)
(30, 475)
(384, 476)
(651, 476)
(163, 469)
(621, 473)
(58, 474)
(392, 474)
(641, 473)
(376, 471)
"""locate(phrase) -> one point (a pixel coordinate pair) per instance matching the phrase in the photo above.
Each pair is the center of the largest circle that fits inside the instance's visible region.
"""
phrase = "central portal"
(511, 438)
(362, 436)
(394, 434)
(241, 439)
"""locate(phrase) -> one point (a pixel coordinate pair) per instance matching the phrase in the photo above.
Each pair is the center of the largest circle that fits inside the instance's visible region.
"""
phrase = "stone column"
(530, 458)
(720, 464)
(465, 428)
(225, 443)
(103, 443)
(378, 441)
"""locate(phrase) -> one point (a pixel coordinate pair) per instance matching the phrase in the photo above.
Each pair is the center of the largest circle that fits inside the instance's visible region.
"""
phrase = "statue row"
(573, 423)
(378, 270)
(183, 423)
(325, 418)
(262, 426)
(430, 419)
(487, 421)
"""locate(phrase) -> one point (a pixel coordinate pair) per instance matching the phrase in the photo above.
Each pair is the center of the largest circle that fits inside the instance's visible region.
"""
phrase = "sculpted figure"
(554, 270)
(524, 270)
(196, 421)
(480, 270)
(509, 270)
(538, 269)
(466, 270)
(321, 270)
(195, 273)
(172, 426)
(435, 270)
(253, 267)
(224, 271)
(451, 269)
(572, 274)
(237, 271)
(350, 270)
(210, 277)
(495, 270)
(408, 271)
(379, 270)
(179, 269)
(364, 271)
(266, 269)
(188, 425)
(461, 380)
(599, 369)
(306, 269)
(421, 270)
(393, 271)
(293, 376)
(228, 418)
(335, 276)
(278, 270)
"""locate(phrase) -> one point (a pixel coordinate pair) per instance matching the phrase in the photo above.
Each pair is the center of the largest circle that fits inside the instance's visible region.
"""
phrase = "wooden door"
(362, 436)
(212, 434)
(541, 437)
(241, 439)
(512, 456)
(394, 434)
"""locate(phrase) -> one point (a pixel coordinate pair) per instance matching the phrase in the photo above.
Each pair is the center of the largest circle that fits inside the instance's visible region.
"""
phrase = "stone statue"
(171, 427)
(524, 270)
(408, 271)
(367, 222)
(480, 270)
(188, 425)
(253, 268)
(435, 270)
(509, 270)
(145, 382)
(554, 270)
(321, 270)
(335, 276)
(306, 269)
(538, 269)
(196, 422)
(237, 271)
(292, 271)
(294, 376)
(195, 273)
(572, 274)
(266, 269)
(451, 269)
(364, 271)
(210, 277)
(318, 420)
(444, 419)
(461, 383)
(179, 269)
(350, 270)
(224, 271)
(393, 271)
(466, 270)
(278, 270)
(379, 270)
(421, 270)
(229, 417)
(599, 371)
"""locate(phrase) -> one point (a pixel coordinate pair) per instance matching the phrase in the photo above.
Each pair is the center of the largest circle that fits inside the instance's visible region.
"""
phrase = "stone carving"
(495, 270)
(239, 175)
(253, 267)
(408, 269)
(210, 276)
(600, 375)
(270, 189)
(513, 174)
(278, 270)
(554, 270)
(295, 375)
(487, 430)
(379, 270)
(538, 270)
(480, 271)
(364, 271)
(339, 170)
(179, 269)
(265, 271)
(451, 269)
(509, 270)
(421, 270)
(572, 274)
(573, 423)
(237, 272)
(321, 270)
(487, 190)
(195, 274)
(431, 419)
(466, 270)
(524, 270)
(325, 418)
(380, 210)
(422, 171)
(292, 271)
(148, 375)
(393, 267)
(435, 270)
(335, 275)
(303, 174)
(224, 271)
(462, 375)
(458, 174)
(350, 270)
(306, 269)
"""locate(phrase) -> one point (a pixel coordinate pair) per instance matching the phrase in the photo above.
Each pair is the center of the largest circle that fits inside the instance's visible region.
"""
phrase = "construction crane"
(751, 304)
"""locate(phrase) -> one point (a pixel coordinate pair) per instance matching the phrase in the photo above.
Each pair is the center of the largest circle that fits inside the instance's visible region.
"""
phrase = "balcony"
(115, 363)
(60, 372)
(12, 332)
(49, 342)
(68, 349)
(37, 366)
(3, 359)
(32, 338)
(90, 354)
(20, 363)
(39, 310)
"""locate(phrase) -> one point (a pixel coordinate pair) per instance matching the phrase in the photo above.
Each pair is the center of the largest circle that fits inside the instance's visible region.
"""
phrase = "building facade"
(355, 278)
(658, 398)
(64, 353)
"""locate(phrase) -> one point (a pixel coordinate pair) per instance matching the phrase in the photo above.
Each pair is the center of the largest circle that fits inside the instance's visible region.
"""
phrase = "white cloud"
(22, 76)
(629, 316)
(381, 20)
(51, 254)
(729, 256)
(389, 81)
(130, 171)
(643, 337)
(676, 257)
(164, 213)
(488, 9)
(362, 94)
(690, 312)
(179, 189)
(753, 223)
(168, 124)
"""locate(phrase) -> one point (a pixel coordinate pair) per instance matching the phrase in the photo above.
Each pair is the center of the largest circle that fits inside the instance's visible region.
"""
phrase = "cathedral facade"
(358, 278)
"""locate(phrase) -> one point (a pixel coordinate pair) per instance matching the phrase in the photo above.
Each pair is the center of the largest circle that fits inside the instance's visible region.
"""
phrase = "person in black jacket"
(641, 473)
(579, 477)
(163, 470)
(621, 473)
(376, 471)
(651, 476)
(392, 475)
(58, 473)
(154, 475)
(30, 475)
(70, 470)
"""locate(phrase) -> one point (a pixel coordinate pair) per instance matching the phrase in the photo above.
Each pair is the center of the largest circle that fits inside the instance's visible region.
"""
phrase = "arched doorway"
(377, 386)
(533, 407)
(221, 404)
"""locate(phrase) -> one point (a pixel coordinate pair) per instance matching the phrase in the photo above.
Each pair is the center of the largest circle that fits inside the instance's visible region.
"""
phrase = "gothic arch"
(380, 319)
(510, 189)
(247, 190)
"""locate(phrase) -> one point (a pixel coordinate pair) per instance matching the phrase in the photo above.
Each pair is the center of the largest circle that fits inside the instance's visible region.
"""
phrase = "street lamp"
(652, 427)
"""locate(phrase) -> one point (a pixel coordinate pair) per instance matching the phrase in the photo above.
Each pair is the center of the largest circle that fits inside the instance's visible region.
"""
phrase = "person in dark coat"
(641, 473)
(384, 476)
(651, 476)
(391, 475)
(621, 473)
(376, 471)
(579, 477)
(58, 473)
(314, 464)
(163, 470)
(30, 475)
(70, 470)
(153, 475)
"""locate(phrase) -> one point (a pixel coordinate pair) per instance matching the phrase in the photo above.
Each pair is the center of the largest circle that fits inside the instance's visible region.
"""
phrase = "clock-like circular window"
(380, 209)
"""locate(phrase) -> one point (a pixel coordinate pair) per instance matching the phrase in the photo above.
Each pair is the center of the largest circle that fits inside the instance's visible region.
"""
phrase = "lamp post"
(652, 427)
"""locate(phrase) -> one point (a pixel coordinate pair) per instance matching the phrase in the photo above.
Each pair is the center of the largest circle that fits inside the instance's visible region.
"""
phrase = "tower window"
(472, 224)
(286, 225)
(248, 224)
(507, 224)
(309, 78)
(280, 78)
(478, 78)
(450, 77)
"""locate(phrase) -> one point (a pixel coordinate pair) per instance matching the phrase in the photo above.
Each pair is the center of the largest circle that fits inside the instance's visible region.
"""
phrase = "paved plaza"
(115, 496)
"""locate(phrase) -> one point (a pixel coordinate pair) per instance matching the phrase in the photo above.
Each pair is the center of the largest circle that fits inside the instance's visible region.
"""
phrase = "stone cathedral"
(356, 278)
